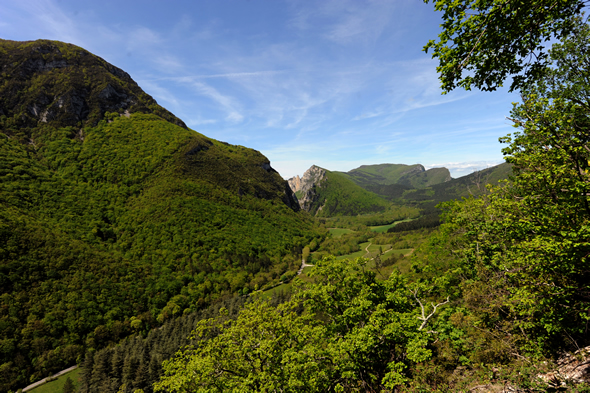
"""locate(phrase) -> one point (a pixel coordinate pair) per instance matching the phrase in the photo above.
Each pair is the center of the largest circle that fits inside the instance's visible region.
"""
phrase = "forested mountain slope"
(115, 217)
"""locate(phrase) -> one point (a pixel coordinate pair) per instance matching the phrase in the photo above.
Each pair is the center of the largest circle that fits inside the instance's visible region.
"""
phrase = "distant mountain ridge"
(409, 175)
(398, 183)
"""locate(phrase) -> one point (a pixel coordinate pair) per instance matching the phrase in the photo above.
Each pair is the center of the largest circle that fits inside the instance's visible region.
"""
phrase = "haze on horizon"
(336, 84)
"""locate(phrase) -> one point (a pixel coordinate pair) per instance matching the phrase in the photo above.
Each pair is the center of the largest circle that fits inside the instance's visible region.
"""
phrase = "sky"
(337, 84)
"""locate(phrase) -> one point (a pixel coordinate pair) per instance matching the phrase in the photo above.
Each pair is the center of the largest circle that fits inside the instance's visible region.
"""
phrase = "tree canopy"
(528, 240)
(346, 331)
(484, 42)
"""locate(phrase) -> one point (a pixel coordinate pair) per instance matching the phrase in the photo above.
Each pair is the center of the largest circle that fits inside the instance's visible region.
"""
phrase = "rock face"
(295, 183)
(572, 369)
(64, 85)
(304, 187)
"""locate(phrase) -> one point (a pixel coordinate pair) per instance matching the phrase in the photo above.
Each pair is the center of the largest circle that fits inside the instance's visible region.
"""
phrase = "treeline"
(392, 214)
(356, 333)
(346, 244)
(428, 221)
(136, 362)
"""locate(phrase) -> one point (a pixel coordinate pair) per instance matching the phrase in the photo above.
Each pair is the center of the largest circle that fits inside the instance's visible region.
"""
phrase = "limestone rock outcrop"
(571, 369)
(65, 85)
(304, 187)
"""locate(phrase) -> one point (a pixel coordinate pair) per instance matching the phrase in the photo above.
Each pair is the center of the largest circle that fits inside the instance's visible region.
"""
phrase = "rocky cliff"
(59, 84)
(305, 187)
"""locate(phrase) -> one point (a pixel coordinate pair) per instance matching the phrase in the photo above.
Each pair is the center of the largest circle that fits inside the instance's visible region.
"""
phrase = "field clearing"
(270, 292)
(405, 251)
(357, 254)
(384, 228)
(375, 247)
(57, 386)
(338, 232)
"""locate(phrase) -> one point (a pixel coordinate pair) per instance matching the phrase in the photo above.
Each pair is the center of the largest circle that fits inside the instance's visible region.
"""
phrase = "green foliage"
(336, 195)
(355, 333)
(136, 362)
(360, 222)
(485, 42)
(69, 386)
(427, 221)
(264, 349)
(346, 244)
(517, 256)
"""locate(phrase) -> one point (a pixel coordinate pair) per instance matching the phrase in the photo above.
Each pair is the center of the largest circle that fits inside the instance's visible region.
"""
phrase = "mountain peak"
(62, 84)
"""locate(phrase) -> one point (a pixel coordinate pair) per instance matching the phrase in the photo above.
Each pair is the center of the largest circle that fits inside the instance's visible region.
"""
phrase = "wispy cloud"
(40, 19)
(323, 82)
(228, 103)
(459, 169)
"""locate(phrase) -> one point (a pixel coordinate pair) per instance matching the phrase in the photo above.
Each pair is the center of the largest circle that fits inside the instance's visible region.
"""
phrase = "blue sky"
(337, 84)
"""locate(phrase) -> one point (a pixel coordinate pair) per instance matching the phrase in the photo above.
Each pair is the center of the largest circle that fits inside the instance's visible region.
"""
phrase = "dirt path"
(303, 266)
(367, 250)
(41, 382)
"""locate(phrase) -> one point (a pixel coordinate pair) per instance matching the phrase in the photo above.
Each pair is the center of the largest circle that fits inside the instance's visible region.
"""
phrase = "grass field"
(384, 228)
(357, 254)
(337, 232)
(57, 386)
(405, 251)
(268, 293)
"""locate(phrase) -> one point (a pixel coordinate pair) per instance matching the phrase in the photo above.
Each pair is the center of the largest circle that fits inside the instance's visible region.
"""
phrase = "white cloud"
(226, 102)
(459, 169)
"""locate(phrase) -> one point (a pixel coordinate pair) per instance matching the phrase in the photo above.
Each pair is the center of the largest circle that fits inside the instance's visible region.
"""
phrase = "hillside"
(325, 194)
(114, 217)
(414, 176)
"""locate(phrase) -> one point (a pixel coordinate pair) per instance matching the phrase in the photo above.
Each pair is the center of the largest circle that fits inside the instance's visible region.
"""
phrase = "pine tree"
(69, 386)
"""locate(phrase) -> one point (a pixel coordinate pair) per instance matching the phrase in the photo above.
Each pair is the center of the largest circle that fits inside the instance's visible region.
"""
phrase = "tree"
(528, 240)
(354, 333)
(484, 42)
(264, 349)
(69, 386)
(374, 329)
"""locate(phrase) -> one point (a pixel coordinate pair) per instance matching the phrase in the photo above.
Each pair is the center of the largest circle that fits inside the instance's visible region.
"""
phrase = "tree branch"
(424, 318)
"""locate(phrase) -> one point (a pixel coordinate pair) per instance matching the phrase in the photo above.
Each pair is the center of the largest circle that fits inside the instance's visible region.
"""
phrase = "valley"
(158, 259)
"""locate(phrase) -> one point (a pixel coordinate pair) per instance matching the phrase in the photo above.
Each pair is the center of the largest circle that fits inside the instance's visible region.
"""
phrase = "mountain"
(362, 190)
(55, 84)
(472, 184)
(324, 193)
(114, 216)
(415, 176)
